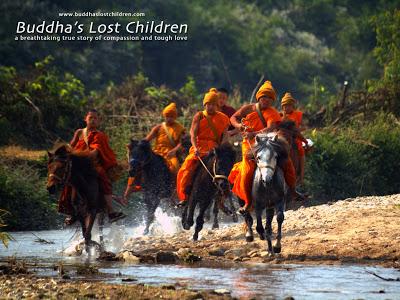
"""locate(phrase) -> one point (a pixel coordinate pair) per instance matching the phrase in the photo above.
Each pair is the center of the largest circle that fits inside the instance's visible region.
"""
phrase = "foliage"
(358, 159)
(23, 194)
(4, 236)
(42, 97)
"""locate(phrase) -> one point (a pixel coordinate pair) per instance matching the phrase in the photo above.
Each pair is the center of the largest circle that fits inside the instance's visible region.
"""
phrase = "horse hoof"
(195, 237)
(261, 237)
(235, 219)
(215, 226)
(249, 239)
(186, 226)
(277, 249)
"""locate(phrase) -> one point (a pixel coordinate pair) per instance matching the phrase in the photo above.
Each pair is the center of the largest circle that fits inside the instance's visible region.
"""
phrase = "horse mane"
(80, 159)
(279, 145)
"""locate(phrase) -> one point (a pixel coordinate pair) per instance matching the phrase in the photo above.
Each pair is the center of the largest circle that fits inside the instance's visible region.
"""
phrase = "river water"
(259, 280)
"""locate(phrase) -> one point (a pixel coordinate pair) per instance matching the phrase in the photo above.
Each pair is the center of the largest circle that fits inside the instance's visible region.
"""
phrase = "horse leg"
(89, 221)
(207, 214)
(215, 211)
(268, 229)
(100, 222)
(199, 222)
(280, 217)
(249, 224)
(188, 222)
(151, 208)
(259, 227)
(233, 209)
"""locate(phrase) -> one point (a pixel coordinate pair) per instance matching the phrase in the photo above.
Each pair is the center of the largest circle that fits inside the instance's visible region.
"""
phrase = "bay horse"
(269, 191)
(208, 182)
(76, 176)
(156, 179)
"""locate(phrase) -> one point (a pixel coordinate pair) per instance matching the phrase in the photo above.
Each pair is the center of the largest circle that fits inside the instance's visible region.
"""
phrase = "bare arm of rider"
(153, 133)
(194, 129)
(236, 119)
(76, 137)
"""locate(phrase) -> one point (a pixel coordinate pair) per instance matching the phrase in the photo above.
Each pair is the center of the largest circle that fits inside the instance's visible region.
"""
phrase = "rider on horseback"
(167, 136)
(290, 113)
(95, 144)
(207, 132)
(252, 119)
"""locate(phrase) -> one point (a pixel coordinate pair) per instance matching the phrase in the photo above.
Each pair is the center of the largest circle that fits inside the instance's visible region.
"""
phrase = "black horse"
(155, 178)
(269, 190)
(76, 176)
(208, 182)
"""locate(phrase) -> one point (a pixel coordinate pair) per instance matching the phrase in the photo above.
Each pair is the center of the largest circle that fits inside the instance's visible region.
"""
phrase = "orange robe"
(206, 141)
(242, 172)
(296, 116)
(163, 145)
(106, 157)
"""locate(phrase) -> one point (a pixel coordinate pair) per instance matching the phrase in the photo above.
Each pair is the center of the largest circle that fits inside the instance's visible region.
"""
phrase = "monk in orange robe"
(167, 136)
(289, 112)
(208, 130)
(95, 143)
(252, 119)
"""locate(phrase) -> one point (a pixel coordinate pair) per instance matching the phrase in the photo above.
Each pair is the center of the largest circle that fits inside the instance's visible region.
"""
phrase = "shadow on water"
(260, 280)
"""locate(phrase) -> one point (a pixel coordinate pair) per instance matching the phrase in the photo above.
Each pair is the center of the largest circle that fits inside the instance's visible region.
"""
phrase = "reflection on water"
(263, 280)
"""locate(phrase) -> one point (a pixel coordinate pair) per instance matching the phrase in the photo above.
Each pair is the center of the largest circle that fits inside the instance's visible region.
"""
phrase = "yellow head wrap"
(211, 97)
(288, 99)
(266, 90)
(170, 111)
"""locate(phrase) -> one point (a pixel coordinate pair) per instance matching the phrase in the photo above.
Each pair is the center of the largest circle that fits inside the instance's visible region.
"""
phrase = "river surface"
(266, 281)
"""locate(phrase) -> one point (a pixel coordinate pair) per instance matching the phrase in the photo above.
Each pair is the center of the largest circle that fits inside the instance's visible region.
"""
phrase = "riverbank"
(361, 230)
(32, 287)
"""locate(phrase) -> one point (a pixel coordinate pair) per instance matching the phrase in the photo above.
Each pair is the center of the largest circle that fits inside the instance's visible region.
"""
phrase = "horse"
(75, 174)
(269, 191)
(156, 179)
(209, 181)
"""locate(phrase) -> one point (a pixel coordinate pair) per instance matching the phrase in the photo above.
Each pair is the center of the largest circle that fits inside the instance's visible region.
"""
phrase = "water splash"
(165, 224)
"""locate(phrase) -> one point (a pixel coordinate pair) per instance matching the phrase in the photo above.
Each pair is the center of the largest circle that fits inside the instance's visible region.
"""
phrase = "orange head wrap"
(266, 90)
(288, 99)
(211, 97)
(170, 111)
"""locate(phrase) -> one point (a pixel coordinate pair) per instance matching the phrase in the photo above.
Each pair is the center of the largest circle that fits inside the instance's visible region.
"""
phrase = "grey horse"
(269, 190)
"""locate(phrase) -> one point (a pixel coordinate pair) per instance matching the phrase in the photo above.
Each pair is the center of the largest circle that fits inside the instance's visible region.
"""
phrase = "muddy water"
(259, 280)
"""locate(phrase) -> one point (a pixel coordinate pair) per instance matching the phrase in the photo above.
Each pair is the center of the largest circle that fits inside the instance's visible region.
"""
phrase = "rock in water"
(165, 257)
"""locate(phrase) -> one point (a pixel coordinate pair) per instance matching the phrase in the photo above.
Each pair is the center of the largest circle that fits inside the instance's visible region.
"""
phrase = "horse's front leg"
(259, 227)
(200, 219)
(268, 229)
(215, 212)
(235, 218)
(280, 217)
(151, 208)
(249, 227)
(89, 221)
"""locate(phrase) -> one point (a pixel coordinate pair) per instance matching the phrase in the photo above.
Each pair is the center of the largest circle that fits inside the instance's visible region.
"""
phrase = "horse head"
(58, 167)
(266, 156)
(224, 158)
(140, 154)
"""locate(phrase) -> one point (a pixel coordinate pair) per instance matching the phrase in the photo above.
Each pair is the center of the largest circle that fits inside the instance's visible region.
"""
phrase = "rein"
(67, 174)
(214, 176)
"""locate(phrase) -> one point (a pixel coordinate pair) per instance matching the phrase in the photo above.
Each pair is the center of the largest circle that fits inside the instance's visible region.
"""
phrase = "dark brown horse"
(209, 182)
(74, 174)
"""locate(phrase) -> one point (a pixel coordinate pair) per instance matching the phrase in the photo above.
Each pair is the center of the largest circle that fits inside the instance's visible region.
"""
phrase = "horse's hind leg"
(89, 221)
(215, 212)
(249, 224)
(280, 217)
(268, 229)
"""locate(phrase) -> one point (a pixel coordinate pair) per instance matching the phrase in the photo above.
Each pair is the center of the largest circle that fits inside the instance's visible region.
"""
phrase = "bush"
(359, 159)
(23, 194)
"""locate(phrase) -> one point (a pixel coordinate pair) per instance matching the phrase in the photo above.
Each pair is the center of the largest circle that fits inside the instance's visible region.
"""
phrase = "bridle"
(67, 174)
(214, 174)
